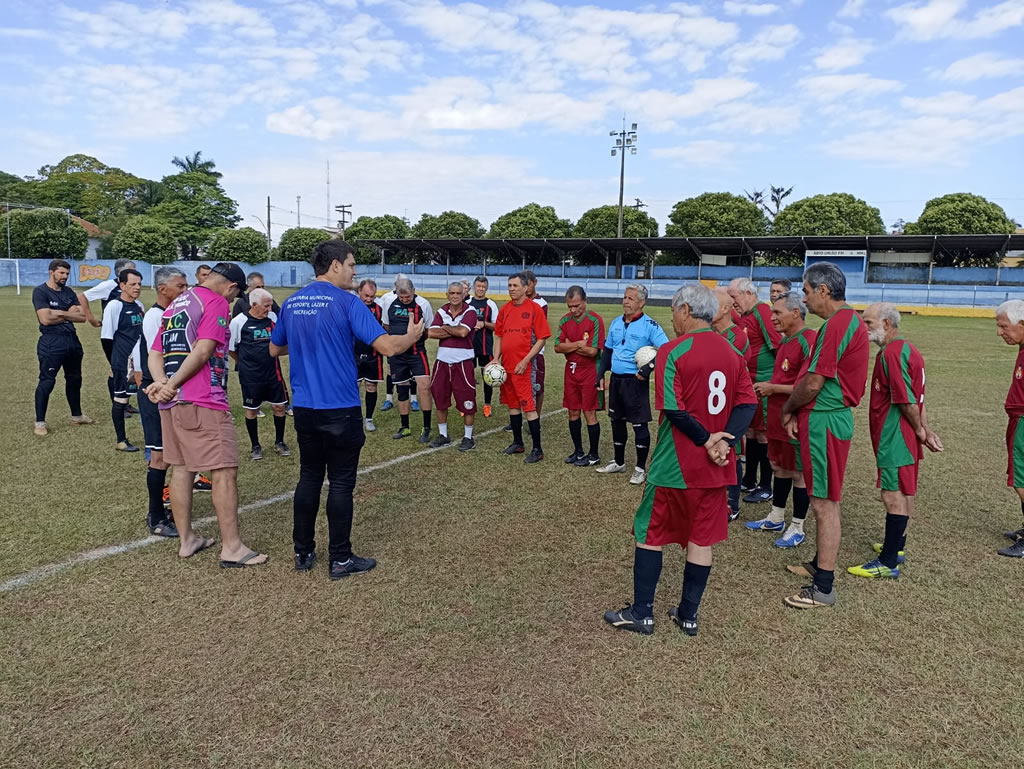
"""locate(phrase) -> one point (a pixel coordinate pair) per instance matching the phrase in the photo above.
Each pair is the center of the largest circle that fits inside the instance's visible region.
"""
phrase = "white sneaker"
(638, 477)
(370, 426)
(611, 467)
(260, 414)
(40, 428)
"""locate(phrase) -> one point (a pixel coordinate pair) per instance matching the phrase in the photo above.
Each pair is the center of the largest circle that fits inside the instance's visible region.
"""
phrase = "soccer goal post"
(10, 274)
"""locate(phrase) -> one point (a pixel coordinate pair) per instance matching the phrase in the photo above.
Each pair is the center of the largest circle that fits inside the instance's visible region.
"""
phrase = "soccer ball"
(645, 356)
(494, 374)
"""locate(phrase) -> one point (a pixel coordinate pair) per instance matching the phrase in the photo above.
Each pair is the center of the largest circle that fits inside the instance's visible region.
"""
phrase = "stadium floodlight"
(623, 139)
(633, 151)
(613, 133)
(613, 153)
(633, 128)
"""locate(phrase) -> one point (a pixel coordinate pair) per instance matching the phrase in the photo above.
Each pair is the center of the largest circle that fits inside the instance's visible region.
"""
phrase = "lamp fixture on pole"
(624, 139)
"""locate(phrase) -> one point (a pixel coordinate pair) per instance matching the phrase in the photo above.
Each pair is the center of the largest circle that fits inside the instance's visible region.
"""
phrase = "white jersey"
(541, 302)
(100, 290)
(150, 330)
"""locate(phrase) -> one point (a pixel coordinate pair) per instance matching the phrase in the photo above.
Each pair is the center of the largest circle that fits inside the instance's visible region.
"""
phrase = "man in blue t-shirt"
(317, 328)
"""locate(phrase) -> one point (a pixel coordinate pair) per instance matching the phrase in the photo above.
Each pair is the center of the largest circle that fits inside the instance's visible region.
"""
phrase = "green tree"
(194, 207)
(388, 226)
(145, 239)
(9, 183)
(449, 224)
(603, 222)
(716, 215)
(194, 164)
(298, 243)
(84, 185)
(42, 234)
(836, 214)
(962, 213)
(529, 221)
(241, 245)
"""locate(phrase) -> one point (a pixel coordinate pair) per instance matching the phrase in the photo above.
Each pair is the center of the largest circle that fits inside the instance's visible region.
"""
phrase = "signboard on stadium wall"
(825, 253)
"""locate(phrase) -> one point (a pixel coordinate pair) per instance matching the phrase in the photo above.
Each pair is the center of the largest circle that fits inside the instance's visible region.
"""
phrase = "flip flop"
(243, 562)
(205, 544)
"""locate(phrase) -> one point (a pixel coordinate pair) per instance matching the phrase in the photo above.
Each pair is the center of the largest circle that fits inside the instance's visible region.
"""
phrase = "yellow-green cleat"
(874, 570)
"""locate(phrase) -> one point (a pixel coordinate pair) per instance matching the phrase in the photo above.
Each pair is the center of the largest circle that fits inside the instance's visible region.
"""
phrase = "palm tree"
(195, 164)
(778, 195)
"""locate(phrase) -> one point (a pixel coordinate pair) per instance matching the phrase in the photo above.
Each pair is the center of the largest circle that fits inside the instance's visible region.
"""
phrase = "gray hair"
(398, 277)
(455, 283)
(124, 264)
(828, 275)
(1013, 309)
(887, 311)
(576, 291)
(481, 279)
(702, 302)
(641, 291)
(368, 282)
(258, 295)
(793, 301)
(521, 277)
(164, 274)
(743, 285)
(252, 276)
(402, 283)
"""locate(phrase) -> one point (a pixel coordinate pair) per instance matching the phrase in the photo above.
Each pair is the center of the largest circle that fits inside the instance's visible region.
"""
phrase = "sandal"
(243, 562)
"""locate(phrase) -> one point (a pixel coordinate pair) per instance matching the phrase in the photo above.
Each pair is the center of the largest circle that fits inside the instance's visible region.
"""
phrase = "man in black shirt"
(258, 374)
(122, 327)
(483, 339)
(254, 280)
(410, 368)
(58, 310)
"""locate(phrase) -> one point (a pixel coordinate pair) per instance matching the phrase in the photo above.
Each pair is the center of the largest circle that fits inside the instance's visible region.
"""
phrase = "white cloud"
(749, 9)
(946, 103)
(851, 9)
(843, 55)
(982, 65)
(701, 152)
(769, 44)
(936, 19)
(828, 88)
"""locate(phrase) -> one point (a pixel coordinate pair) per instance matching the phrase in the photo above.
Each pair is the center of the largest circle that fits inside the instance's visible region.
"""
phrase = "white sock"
(388, 398)
(442, 427)
(469, 431)
(797, 525)
(777, 515)
(415, 399)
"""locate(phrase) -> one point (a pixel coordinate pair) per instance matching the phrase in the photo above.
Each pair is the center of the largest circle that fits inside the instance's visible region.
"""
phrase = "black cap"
(233, 273)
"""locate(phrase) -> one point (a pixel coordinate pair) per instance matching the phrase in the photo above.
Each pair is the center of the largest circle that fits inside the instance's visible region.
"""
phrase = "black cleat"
(1013, 536)
(425, 437)
(758, 495)
(515, 448)
(305, 561)
(733, 515)
(256, 453)
(575, 457)
(623, 619)
(439, 441)
(282, 449)
(688, 626)
(354, 565)
(202, 483)
(507, 428)
(468, 444)
(588, 460)
(534, 456)
(164, 528)
(1016, 550)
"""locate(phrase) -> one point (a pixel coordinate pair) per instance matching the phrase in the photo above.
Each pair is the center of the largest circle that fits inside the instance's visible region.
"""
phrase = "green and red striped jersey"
(704, 375)
(840, 355)
(738, 338)
(898, 378)
(789, 360)
(1015, 396)
(764, 340)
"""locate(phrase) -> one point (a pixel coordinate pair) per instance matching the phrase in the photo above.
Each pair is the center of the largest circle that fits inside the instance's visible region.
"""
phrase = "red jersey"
(1015, 397)
(518, 327)
(704, 375)
(764, 340)
(589, 329)
(737, 337)
(898, 378)
(789, 359)
(840, 354)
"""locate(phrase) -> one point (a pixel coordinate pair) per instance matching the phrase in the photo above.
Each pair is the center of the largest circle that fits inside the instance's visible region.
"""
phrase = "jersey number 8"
(716, 394)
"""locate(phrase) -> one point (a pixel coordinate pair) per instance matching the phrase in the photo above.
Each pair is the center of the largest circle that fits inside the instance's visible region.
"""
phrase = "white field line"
(44, 572)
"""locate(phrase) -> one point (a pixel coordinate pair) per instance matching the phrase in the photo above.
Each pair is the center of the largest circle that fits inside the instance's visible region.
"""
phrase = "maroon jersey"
(1015, 397)
(704, 375)
(898, 378)
(453, 349)
(789, 359)
(589, 329)
(840, 354)
(764, 340)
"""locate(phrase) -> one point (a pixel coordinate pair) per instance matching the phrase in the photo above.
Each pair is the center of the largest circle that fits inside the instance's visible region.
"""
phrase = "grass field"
(478, 641)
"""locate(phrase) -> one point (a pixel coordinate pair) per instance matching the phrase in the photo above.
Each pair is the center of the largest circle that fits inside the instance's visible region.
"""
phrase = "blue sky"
(426, 105)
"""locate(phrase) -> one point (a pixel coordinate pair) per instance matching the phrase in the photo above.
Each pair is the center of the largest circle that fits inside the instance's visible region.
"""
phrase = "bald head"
(723, 318)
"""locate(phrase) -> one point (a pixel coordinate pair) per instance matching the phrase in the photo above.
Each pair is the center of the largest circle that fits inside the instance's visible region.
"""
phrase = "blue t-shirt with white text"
(624, 339)
(319, 324)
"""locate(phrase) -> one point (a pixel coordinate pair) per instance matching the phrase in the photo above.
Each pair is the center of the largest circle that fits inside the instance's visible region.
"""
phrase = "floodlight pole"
(624, 139)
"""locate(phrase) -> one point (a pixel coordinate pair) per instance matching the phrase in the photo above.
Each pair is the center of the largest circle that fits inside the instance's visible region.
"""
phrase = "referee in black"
(58, 311)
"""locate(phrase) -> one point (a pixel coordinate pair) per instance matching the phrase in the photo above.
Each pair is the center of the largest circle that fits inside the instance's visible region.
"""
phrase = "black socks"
(279, 429)
(534, 425)
(801, 502)
(695, 579)
(594, 434)
(646, 572)
(117, 415)
(516, 420)
(895, 531)
(780, 491)
(619, 440)
(371, 404)
(576, 433)
(155, 480)
(254, 431)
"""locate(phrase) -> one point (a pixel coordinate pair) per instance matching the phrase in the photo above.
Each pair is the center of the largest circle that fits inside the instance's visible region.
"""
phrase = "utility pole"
(624, 139)
(268, 221)
(638, 205)
(346, 216)
(298, 210)
(328, 209)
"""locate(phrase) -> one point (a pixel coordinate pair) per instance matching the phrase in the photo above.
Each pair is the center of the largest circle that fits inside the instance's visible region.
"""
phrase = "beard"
(878, 337)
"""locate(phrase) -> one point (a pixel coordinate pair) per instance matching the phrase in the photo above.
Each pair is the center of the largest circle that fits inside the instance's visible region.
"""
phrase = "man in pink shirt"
(188, 363)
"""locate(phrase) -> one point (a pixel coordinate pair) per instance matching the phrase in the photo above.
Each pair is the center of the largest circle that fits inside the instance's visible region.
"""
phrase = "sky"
(429, 105)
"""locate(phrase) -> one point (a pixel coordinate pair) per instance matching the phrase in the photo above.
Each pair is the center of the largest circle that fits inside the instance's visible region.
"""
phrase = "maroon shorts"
(1015, 452)
(825, 438)
(760, 421)
(454, 380)
(784, 455)
(517, 392)
(901, 479)
(198, 438)
(667, 516)
(538, 374)
(579, 391)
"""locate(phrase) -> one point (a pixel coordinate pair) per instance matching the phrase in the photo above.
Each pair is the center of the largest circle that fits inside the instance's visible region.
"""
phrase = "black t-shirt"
(122, 322)
(115, 293)
(398, 321)
(363, 350)
(250, 338)
(242, 305)
(63, 299)
(483, 340)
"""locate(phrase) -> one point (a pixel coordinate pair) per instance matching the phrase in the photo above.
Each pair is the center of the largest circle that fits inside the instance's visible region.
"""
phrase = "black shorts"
(370, 368)
(629, 398)
(123, 387)
(408, 365)
(56, 351)
(256, 394)
(149, 413)
(483, 360)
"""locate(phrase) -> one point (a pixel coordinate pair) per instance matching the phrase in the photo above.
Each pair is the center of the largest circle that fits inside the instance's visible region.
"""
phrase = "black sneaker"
(425, 437)
(688, 626)
(1016, 550)
(439, 441)
(623, 619)
(747, 489)
(1013, 536)
(534, 456)
(257, 453)
(507, 428)
(468, 444)
(305, 561)
(515, 448)
(354, 565)
(733, 515)
(164, 528)
(588, 460)
(130, 409)
(126, 446)
(575, 457)
(282, 449)
(758, 495)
